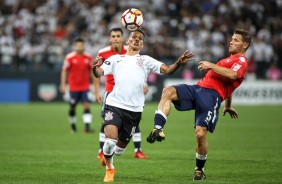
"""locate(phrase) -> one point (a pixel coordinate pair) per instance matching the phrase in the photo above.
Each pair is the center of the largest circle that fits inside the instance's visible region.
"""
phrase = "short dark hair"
(141, 31)
(115, 29)
(246, 36)
(78, 39)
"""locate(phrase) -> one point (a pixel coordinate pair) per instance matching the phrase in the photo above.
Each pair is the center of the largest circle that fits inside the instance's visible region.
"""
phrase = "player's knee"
(201, 133)
(168, 92)
(109, 147)
(119, 151)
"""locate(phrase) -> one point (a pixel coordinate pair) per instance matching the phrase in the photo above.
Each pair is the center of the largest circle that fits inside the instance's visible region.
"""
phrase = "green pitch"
(36, 146)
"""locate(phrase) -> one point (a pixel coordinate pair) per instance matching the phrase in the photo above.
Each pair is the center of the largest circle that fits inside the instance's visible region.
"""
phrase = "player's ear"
(245, 45)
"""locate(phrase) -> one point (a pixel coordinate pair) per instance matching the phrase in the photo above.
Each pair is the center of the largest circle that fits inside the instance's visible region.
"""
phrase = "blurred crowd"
(36, 35)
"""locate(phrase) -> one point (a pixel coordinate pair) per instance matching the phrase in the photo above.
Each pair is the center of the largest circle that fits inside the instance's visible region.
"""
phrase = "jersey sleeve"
(66, 64)
(240, 66)
(154, 65)
(108, 65)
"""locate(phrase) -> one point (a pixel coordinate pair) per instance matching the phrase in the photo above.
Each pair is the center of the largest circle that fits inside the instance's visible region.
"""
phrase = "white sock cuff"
(87, 118)
(161, 113)
(72, 119)
(136, 137)
(201, 157)
(119, 151)
(102, 137)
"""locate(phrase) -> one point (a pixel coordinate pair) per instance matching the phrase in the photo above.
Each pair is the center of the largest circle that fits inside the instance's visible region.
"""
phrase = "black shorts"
(126, 121)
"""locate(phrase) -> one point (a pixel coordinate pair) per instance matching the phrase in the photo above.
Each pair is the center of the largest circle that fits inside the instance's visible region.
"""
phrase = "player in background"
(116, 47)
(124, 105)
(77, 71)
(206, 96)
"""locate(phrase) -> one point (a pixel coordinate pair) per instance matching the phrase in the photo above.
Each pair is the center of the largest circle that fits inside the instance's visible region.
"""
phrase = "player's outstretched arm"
(182, 60)
(228, 109)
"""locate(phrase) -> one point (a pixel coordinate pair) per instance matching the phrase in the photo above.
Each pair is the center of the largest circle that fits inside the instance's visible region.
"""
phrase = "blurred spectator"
(34, 35)
(273, 72)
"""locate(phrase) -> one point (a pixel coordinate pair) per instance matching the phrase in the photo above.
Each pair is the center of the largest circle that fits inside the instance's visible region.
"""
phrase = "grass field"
(36, 146)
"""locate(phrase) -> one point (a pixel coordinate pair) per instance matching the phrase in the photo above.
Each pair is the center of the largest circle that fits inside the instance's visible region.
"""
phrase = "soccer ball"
(132, 19)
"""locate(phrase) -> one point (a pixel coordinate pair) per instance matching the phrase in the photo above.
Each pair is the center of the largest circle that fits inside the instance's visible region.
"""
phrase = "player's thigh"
(131, 122)
(207, 108)
(85, 99)
(186, 97)
(113, 116)
(74, 97)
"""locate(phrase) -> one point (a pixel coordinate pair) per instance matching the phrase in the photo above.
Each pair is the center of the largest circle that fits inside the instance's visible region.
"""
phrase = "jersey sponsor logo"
(236, 67)
(140, 61)
(107, 62)
(109, 116)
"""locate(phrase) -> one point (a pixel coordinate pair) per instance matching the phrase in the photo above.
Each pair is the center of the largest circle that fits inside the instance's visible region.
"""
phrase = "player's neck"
(117, 49)
(238, 54)
(132, 52)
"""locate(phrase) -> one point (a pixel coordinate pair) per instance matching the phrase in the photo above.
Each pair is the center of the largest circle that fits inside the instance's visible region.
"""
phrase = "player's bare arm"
(229, 109)
(224, 72)
(96, 90)
(63, 85)
(182, 60)
(98, 72)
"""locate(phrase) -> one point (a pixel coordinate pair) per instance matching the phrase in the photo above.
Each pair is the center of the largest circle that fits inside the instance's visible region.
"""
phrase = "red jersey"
(79, 70)
(222, 85)
(106, 53)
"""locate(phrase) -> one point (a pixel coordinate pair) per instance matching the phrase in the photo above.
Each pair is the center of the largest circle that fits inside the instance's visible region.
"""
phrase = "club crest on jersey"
(228, 60)
(109, 116)
(140, 61)
(242, 59)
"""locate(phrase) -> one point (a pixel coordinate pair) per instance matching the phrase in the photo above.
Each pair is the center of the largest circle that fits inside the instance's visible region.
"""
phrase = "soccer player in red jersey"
(116, 47)
(206, 96)
(77, 71)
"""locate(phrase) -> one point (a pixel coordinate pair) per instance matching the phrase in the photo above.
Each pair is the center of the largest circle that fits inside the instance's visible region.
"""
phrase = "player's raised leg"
(168, 95)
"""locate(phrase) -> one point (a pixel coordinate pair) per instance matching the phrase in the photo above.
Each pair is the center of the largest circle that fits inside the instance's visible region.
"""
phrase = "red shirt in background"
(222, 85)
(106, 53)
(79, 70)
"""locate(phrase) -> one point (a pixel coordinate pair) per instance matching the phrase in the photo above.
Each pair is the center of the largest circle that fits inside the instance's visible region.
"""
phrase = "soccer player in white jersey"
(124, 105)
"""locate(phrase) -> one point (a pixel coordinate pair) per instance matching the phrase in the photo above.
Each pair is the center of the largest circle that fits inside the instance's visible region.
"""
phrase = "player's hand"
(232, 112)
(156, 135)
(185, 57)
(98, 97)
(97, 61)
(63, 89)
(146, 89)
(205, 65)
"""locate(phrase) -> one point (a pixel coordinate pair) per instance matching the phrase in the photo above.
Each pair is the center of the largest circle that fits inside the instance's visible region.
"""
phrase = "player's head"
(136, 39)
(79, 45)
(240, 41)
(116, 38)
